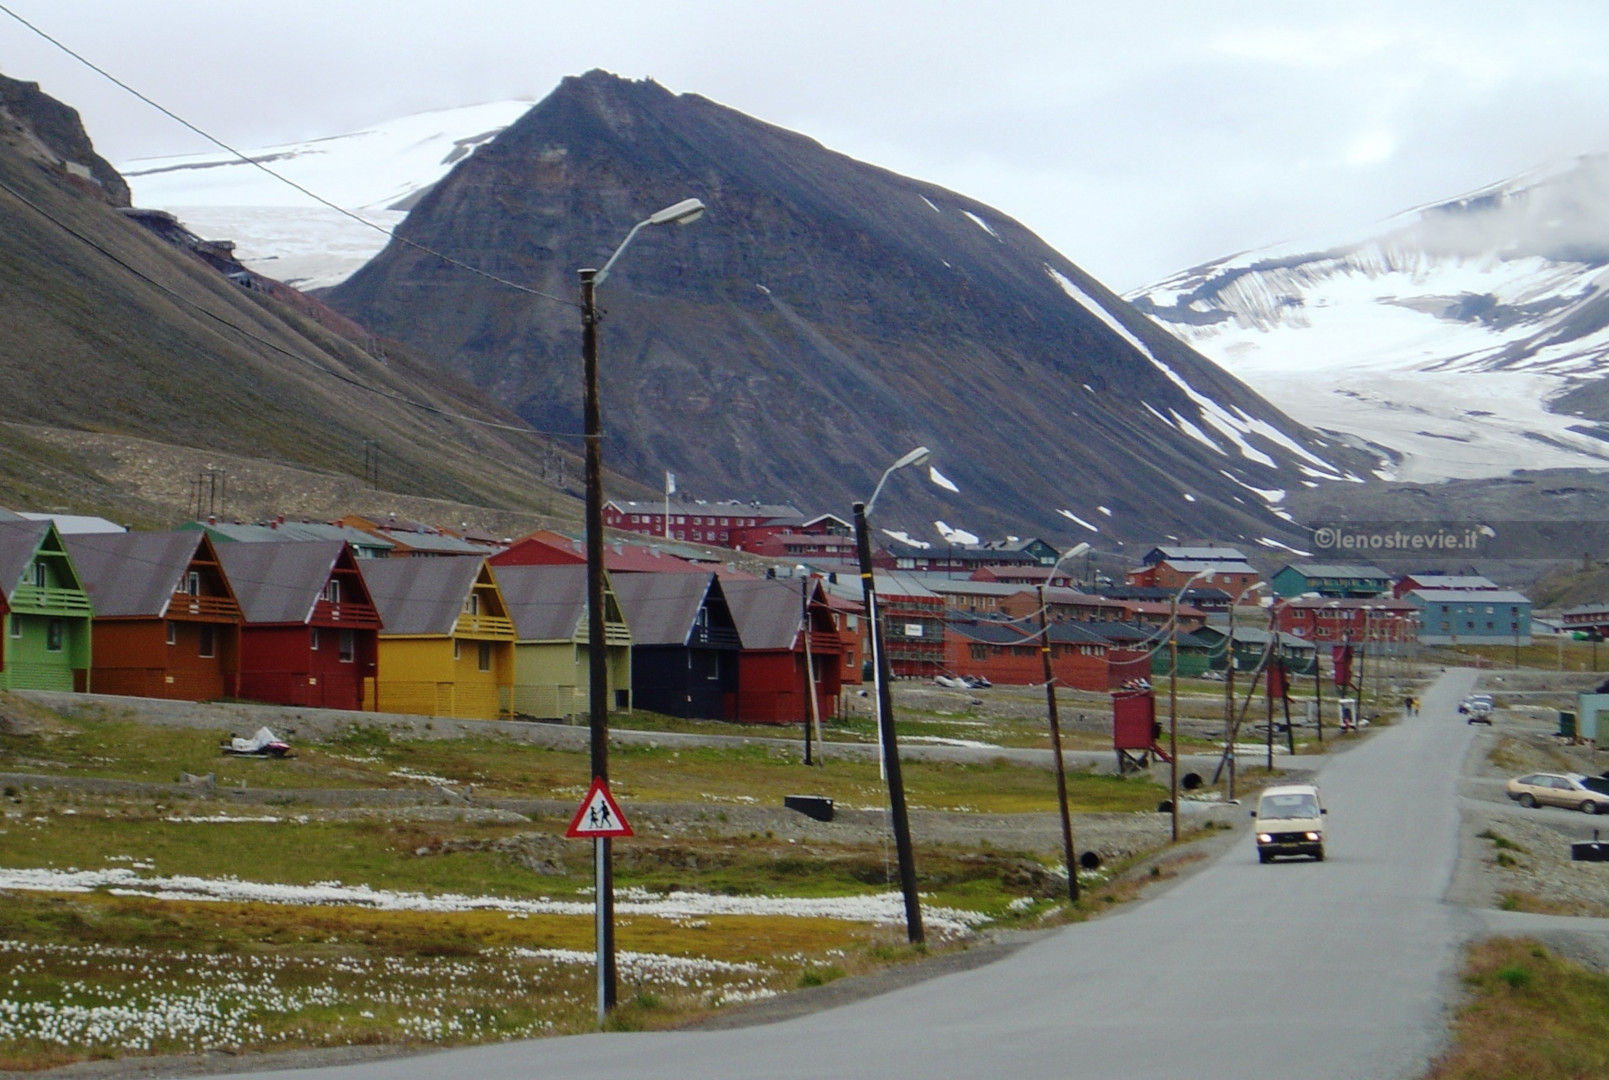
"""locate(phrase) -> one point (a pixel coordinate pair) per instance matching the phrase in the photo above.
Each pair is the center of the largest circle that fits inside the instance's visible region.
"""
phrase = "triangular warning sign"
(599, 815)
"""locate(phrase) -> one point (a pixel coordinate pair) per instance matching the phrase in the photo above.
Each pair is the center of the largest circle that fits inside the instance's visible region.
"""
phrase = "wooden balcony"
(484, 626)
(47, 600)
(203, 608)
(357, 616)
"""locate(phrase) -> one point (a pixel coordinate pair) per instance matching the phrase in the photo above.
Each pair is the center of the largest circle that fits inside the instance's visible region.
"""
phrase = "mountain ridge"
(887, 311)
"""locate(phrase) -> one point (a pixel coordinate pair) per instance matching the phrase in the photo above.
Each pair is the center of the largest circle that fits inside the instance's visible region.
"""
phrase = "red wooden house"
(772, 664)
(311, 631)
(167, 624)
(1009, 654)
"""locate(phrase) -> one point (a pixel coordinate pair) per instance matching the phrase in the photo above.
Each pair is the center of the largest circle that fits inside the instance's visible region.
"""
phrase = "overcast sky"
(1138, 139)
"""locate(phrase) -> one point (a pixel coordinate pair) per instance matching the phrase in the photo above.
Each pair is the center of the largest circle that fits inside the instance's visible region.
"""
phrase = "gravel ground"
(1514, 857)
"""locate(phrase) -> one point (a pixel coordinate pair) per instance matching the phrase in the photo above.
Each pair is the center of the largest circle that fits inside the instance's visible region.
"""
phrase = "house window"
(715, 666)
(315, 639)
(173, 633)
(16, 625)
(332, 591)
(53, 635)
(39, 574)
(348, 646)
(192, 583)
(483, 662)
(979, 652)
(472, 604)
(209, 645)
(456, 653)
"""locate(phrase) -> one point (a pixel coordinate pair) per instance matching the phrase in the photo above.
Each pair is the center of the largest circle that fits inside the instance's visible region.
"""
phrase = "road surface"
(1339, 970)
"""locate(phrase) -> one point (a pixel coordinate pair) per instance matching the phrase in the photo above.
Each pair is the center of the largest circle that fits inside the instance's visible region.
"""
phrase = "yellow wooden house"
(446, 639)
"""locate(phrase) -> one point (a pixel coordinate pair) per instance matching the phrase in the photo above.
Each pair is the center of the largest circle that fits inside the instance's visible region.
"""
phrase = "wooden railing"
(360, 616)
(209, 608)
(484, 626)
(48, 600)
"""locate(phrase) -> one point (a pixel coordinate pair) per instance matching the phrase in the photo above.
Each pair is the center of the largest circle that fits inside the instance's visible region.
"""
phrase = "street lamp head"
(919, 456)
(1073, 552)
(683, 213)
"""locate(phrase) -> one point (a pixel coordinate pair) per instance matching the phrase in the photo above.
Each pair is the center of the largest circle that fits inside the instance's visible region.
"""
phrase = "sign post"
(600, 820)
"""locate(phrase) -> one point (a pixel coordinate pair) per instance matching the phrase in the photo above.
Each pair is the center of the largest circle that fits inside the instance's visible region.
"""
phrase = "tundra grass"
(99, 977)
(1529, 1013)
(497, 767)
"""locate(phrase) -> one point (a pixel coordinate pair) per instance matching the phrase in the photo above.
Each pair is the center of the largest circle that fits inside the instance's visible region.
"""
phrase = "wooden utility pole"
(1055, 752)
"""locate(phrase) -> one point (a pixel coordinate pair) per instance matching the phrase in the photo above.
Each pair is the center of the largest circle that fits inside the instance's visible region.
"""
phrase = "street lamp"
(1173, 695)
(682, 213)
(882, 674)
(1055, 726)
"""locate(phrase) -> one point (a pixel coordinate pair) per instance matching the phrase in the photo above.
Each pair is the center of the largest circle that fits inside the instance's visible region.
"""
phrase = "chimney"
(282, 519)
(212, 519)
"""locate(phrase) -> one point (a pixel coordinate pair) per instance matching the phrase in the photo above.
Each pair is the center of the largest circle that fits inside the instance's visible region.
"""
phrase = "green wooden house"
(552, 664)
(45, 612)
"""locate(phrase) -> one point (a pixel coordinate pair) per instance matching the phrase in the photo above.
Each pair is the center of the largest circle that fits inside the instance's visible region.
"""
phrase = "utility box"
(811, 806)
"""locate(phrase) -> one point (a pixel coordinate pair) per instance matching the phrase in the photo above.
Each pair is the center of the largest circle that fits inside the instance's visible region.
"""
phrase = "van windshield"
(1288, 806)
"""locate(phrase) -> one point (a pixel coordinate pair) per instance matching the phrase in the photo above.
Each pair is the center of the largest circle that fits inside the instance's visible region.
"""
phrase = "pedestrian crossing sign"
(599, 815)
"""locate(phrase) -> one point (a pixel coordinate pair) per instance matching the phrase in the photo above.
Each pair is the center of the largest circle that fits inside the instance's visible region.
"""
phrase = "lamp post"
(1055, 727)
(882, 674)
(683, 213)
(1173, 696)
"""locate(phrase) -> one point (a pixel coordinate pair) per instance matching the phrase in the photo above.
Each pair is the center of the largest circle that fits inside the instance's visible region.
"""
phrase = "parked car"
(977, 682)
(1290, 821)
(1477, 709)
(1589, 794)
(953, 682)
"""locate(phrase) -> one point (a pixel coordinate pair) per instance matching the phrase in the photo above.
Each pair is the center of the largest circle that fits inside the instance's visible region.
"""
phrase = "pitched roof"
(660, 608)
(127, 573)
(1208, 553)
(1464, 582)
(420, 596)
(19, 540)
(768, 613)
(76, 524)
(547, 603)
(995, 633)
(1338, 570)
(279, 583)
(281, 531)
(1470, 596)
(765, 512)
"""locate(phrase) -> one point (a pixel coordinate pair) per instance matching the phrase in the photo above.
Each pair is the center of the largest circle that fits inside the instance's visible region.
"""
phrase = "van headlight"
(1312, 836)
(1264, 838)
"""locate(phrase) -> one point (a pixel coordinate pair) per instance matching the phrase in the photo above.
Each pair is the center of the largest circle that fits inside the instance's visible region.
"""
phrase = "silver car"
(1588, 794)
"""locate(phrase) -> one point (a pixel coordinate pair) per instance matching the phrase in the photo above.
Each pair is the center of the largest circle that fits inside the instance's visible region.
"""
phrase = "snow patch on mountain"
(1443, 337)
(377, 174)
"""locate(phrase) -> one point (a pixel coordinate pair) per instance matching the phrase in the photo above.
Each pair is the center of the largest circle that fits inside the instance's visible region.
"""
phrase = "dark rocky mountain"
(110, 333)
(822, 318)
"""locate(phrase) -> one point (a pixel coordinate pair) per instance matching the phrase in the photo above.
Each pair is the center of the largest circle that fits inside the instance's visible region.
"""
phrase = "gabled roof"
(992, 632)
(1338, 570)
(1208, 553)
(129, 574)
(764, 512)
(547, 603)
(280, 583)
(660, 608)
(76, 524)
(19, 541)
(1462, 582)
(420, 596)
(1470, 596)
(281, 531)
(768, 613)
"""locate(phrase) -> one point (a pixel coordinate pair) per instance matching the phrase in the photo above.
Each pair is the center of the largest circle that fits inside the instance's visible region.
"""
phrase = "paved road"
(1304, 971)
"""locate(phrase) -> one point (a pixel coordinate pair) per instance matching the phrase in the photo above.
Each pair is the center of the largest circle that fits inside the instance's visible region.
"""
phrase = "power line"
(264, 342)
(247, 159)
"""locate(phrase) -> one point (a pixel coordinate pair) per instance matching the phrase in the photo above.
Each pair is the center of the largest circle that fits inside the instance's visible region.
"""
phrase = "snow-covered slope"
(1443, 336)
(377, 173)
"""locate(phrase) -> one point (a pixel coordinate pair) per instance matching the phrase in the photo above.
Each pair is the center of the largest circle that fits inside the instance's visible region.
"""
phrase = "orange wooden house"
(167, 624)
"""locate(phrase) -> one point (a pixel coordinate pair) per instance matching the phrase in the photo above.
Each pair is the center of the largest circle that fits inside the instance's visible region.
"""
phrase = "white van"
(1290, 821)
